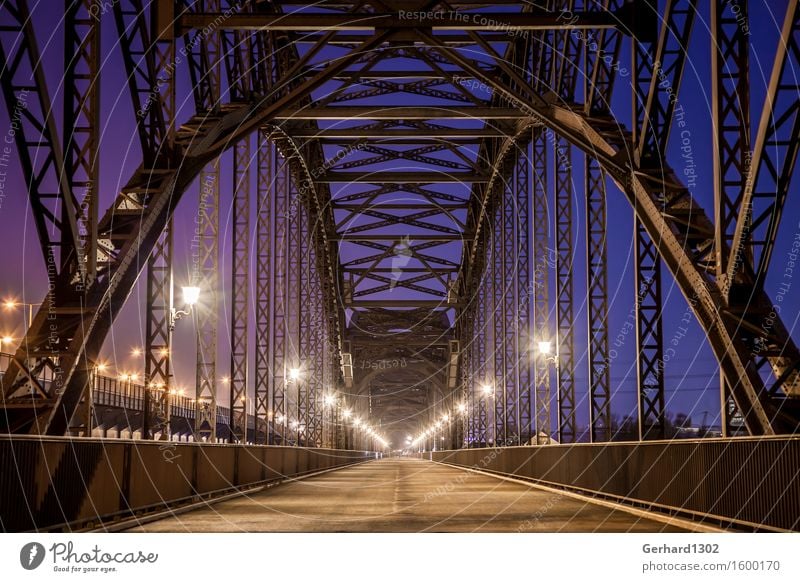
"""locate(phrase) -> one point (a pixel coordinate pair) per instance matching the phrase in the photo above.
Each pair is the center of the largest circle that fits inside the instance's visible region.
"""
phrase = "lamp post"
(191, 295)
(157, 401)
(545, 348)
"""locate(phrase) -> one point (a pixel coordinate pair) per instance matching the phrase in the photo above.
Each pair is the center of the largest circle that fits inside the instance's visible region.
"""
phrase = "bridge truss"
(415, 168)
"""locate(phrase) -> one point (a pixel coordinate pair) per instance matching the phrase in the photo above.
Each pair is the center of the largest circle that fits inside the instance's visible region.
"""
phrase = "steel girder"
(543, 260)
(160, 286)
(240, 287)
(48, 179)
(730, 72)
(267, 167)
(280, 364)
(599, 60)
(158, 338)
(81, 115)
(523, 280)
(148, 52)
(599, 358)
(657, 79)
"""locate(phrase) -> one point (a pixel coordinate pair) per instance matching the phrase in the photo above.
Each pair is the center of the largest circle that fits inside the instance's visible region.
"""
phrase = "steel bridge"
(402, 210)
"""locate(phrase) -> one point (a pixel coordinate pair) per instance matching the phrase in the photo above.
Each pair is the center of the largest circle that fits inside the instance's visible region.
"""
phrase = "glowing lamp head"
(330, 400)
(191, 295)
(294, 374)
(545, 348)
(462, 408)
(8, 340)
(9, 304)
(487, 390)
(347, 413)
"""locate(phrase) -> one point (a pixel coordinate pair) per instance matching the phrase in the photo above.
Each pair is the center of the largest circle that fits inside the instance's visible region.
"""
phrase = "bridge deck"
(405, 495)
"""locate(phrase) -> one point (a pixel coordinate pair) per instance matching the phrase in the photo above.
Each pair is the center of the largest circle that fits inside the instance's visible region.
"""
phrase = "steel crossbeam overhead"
(313, 22)
(404, 204)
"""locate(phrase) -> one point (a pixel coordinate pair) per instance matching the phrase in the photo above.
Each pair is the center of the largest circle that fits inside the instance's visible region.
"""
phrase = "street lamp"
(294, 374)
(546, 349)
(487, 390)
(191, 295)
(13, 304)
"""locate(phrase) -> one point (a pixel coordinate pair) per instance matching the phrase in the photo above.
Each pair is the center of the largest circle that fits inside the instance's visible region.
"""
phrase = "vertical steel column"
(207, 235)
(598, 88)
(81, 138)
(296, 222)
(510, 308)
(647, 276)
(280, 365)
(264, 299)
(481, 367)
(205, 247)
(565, 257)
(81, 112)
(597, 303)
(522, 225)
(730, 78)
(158, 339)
(317, 344)
(160, 286)
(240, 283)
(496, 315)
(541, 284)
(299, 251)
(657, 77)
(470, 374)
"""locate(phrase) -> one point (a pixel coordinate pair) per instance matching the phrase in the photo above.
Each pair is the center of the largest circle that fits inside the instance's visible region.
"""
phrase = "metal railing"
(67, 484)
(743, 483)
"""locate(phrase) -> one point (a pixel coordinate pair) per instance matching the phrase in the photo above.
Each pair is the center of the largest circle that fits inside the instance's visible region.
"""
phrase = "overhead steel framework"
(415, 213)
